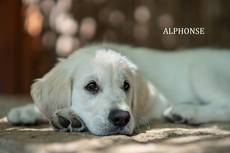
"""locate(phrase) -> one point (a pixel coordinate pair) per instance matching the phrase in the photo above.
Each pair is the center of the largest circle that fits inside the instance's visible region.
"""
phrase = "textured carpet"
(157, 137)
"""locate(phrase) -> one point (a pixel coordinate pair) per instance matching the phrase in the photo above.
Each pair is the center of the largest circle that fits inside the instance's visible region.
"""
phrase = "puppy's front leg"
(196, 114)
(25, 115)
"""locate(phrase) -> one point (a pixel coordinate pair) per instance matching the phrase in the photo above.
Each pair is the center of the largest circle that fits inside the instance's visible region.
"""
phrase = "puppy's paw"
(65, 120)
(24, 115)
(182, 114)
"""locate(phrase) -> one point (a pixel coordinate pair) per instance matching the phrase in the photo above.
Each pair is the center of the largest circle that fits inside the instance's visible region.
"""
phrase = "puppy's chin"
(119, 131)
(112, 130)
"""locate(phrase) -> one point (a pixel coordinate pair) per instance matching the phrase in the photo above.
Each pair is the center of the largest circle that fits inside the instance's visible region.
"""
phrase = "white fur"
(28, 114)
(192, 84)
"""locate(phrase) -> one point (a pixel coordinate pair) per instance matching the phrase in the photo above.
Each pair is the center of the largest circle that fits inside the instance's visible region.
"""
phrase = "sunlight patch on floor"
(3, 120)
(28, 129)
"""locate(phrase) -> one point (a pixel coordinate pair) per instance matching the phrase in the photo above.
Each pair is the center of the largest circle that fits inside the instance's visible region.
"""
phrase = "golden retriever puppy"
(111, 89)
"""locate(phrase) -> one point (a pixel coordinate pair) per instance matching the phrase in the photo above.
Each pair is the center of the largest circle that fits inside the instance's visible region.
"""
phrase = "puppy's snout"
(119, 118)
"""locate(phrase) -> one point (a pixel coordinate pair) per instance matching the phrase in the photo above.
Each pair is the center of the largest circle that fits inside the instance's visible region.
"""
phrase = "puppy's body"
(189, 86)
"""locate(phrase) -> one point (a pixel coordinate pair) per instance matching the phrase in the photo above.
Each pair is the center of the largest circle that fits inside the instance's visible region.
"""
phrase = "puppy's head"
(99, 87)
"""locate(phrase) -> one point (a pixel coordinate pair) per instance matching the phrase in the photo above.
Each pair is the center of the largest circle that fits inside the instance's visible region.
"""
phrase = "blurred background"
(33, 33)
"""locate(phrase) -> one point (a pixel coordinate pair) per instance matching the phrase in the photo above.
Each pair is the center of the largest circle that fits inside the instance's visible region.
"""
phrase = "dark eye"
(126, 86)
(92, 87)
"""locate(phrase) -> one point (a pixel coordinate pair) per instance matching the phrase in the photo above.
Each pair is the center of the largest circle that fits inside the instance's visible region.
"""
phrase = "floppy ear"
(53, 91)
(140, 98)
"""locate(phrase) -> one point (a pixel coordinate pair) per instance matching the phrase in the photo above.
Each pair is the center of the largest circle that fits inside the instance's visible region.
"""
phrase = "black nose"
(119, 117)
